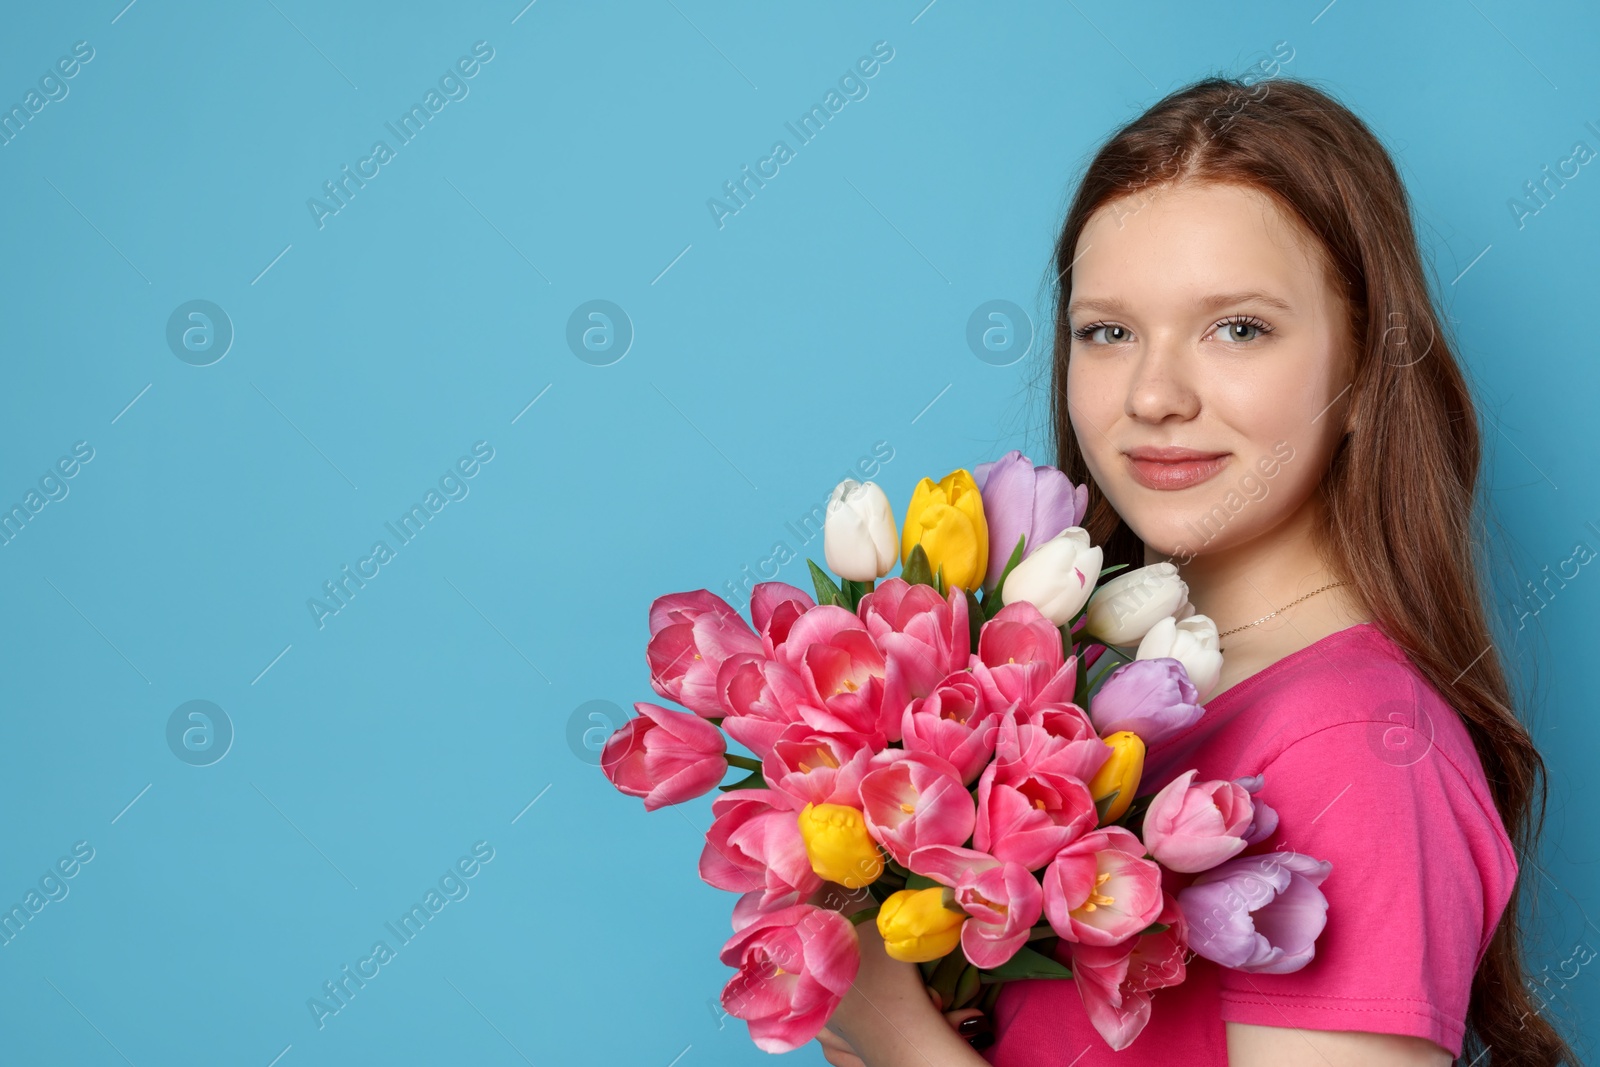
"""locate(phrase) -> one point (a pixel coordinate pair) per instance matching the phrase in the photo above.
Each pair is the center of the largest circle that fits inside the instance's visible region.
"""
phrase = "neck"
(1240, 584)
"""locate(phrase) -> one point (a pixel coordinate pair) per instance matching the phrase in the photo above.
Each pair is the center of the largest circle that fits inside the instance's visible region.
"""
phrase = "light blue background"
(828, 315)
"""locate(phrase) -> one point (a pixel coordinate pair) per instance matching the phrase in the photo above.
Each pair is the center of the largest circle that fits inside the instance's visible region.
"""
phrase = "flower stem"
(744, 762)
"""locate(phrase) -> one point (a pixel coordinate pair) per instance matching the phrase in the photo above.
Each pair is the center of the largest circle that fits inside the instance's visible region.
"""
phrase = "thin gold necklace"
(1290, 604)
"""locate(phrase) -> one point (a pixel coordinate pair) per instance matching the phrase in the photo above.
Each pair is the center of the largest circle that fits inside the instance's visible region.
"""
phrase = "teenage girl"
(1253, 381)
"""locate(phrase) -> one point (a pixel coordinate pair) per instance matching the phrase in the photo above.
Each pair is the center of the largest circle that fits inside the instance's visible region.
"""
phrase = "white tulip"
(860, 540)
(1057, 577)
(1192, 642)
(1122, 611)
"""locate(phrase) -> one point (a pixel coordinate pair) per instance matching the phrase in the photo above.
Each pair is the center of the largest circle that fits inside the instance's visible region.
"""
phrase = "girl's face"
(1209, 365)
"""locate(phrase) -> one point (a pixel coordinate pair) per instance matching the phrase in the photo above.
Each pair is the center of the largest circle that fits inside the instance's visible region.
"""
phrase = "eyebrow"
(1112, 305)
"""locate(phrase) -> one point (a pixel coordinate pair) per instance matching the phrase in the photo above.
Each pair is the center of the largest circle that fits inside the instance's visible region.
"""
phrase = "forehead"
(1191, 241)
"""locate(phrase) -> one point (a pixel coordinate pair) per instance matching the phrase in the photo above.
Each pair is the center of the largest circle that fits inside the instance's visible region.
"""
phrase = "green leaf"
(1027, 964)
(853, 592)
(938, 579)
(752, 781)
(1080, 694)
(991, 993)
(915, 570)
(994, 601)
(1134, 816)
(1103, 805)
(863, 915)
(968, 986)
(918, 881)
(889, 882)
(827, 592)
(946, 974)
(975, 617)
(1156, 928)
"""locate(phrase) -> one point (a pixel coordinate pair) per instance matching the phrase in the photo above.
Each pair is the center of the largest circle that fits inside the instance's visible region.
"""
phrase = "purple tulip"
(1265, 819)
(1260, 914)
(1152, 697)
(1020, 499)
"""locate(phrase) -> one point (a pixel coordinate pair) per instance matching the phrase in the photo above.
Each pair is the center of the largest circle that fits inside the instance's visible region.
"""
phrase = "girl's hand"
(837, 1051)
(888, 1005)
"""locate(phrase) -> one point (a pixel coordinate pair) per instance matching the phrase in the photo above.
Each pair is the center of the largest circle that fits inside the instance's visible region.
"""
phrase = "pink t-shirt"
(1370, 769)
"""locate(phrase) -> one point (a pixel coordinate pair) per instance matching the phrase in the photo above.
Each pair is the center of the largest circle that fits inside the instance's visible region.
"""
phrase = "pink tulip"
(1053, 738)
(1003, 900)
(1100, 890)
(754, 847)
(924, 638)
(955, 722)
(1020, 659)
(1193, 827)
(916, 800)
(749, 907)
(1030, 818)
(664, 756)
(810, 766)
(829, 672)
(774, 606)
(795, 965)
(1115, 981)
(753, 714)
(691, 634)
(1260, 914)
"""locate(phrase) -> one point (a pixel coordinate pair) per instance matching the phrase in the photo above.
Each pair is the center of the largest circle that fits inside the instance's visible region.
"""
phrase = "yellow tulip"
(920, 924)
(839, 846)
(1121, 772)
(946, 519)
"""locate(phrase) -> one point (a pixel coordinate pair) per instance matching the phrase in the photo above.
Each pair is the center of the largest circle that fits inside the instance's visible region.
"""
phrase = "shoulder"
(1358, 699)
(1356, 692)
(1355, 747)
(1380, 778)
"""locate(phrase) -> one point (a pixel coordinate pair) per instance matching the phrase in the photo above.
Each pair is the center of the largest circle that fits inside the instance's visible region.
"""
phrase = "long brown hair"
(1400, 492)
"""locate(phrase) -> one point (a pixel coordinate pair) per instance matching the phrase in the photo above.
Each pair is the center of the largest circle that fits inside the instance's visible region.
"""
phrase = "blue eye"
(1249, 326)
(1083, 333)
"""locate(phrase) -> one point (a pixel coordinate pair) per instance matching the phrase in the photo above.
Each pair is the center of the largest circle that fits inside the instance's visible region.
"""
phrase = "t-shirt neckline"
(1276, 665)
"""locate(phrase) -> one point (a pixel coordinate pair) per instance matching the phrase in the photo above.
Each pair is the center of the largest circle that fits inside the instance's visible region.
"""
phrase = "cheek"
(1289, 402)
(1093, 404)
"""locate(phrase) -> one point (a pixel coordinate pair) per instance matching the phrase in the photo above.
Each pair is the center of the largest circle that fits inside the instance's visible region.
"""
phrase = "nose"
(1161, 385)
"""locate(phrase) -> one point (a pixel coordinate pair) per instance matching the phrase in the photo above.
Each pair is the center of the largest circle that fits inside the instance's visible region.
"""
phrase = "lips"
(1173, 468)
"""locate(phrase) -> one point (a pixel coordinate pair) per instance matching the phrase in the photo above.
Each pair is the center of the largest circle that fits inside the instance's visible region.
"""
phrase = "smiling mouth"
(1175, 474)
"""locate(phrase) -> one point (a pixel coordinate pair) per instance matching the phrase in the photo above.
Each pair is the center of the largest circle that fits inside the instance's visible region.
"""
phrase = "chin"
(1178, 549)
(1172, 535)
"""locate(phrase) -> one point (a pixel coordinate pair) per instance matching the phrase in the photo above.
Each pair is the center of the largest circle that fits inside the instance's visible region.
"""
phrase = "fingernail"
(977, 1030)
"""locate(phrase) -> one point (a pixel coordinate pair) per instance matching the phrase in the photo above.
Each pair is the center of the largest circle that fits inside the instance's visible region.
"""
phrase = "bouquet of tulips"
(935, 740)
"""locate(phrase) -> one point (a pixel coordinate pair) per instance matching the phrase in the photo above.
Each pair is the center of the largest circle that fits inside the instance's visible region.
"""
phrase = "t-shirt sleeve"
(1420, 874)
